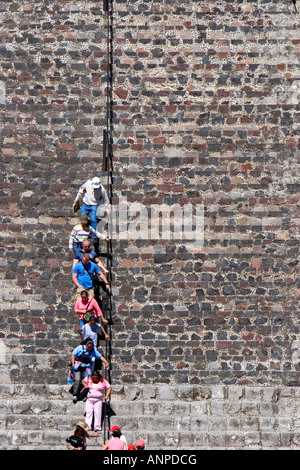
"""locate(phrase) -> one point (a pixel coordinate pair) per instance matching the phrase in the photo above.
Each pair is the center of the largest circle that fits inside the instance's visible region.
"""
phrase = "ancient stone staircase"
(36, 417)
(181, 417)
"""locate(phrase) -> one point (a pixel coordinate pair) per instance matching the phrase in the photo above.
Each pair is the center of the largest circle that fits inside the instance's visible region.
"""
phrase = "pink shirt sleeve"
(96, 307)
(88, 380)
(77, 305)
(100, 385)
(107, 384)
(93, 305)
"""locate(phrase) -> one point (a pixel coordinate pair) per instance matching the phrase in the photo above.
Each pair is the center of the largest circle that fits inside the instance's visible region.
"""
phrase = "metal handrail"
(107, 165)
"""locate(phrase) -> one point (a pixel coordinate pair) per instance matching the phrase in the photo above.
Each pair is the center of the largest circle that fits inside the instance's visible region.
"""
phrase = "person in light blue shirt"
(83, 358)
(91, 330)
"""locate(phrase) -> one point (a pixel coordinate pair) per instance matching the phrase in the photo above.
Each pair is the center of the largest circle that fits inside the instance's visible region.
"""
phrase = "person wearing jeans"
(83, 360)
(94, 195)
(96, 385)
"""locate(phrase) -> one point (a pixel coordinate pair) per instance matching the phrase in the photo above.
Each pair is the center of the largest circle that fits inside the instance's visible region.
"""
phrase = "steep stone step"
(53, 369)
(167, 417)
(41, 439)
(39, 417)
(43, 369)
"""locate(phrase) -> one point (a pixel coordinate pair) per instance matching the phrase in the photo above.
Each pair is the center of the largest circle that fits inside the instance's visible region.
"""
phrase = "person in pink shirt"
(116, 443)
(93, 405)
(86, 306)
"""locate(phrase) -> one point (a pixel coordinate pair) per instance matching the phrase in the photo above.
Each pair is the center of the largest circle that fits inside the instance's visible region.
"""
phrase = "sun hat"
(82, 424)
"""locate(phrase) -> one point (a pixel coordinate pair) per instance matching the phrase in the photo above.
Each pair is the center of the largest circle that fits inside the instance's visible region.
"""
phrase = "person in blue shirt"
(83, 361)
(86, 248)
(82, 275)
(94, 258)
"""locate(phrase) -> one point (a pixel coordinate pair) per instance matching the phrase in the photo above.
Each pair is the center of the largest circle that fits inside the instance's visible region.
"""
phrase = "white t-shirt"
(92, 333)
(93, 197)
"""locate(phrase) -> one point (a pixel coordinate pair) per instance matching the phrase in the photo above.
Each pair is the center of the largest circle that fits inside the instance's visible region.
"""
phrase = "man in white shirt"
(94, 195)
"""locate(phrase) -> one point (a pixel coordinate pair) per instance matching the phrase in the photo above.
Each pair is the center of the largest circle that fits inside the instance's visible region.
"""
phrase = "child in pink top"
(116, 443)
(93, 406)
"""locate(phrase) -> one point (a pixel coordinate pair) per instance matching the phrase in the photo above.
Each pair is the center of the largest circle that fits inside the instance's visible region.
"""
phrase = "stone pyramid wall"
(205, 112)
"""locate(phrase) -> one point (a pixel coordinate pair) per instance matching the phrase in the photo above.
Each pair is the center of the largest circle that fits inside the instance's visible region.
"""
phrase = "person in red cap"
(131, 447)
(140, 444)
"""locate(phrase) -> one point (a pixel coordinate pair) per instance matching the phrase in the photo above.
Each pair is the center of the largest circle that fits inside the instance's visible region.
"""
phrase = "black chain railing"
(107, 166)
(295, 5)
